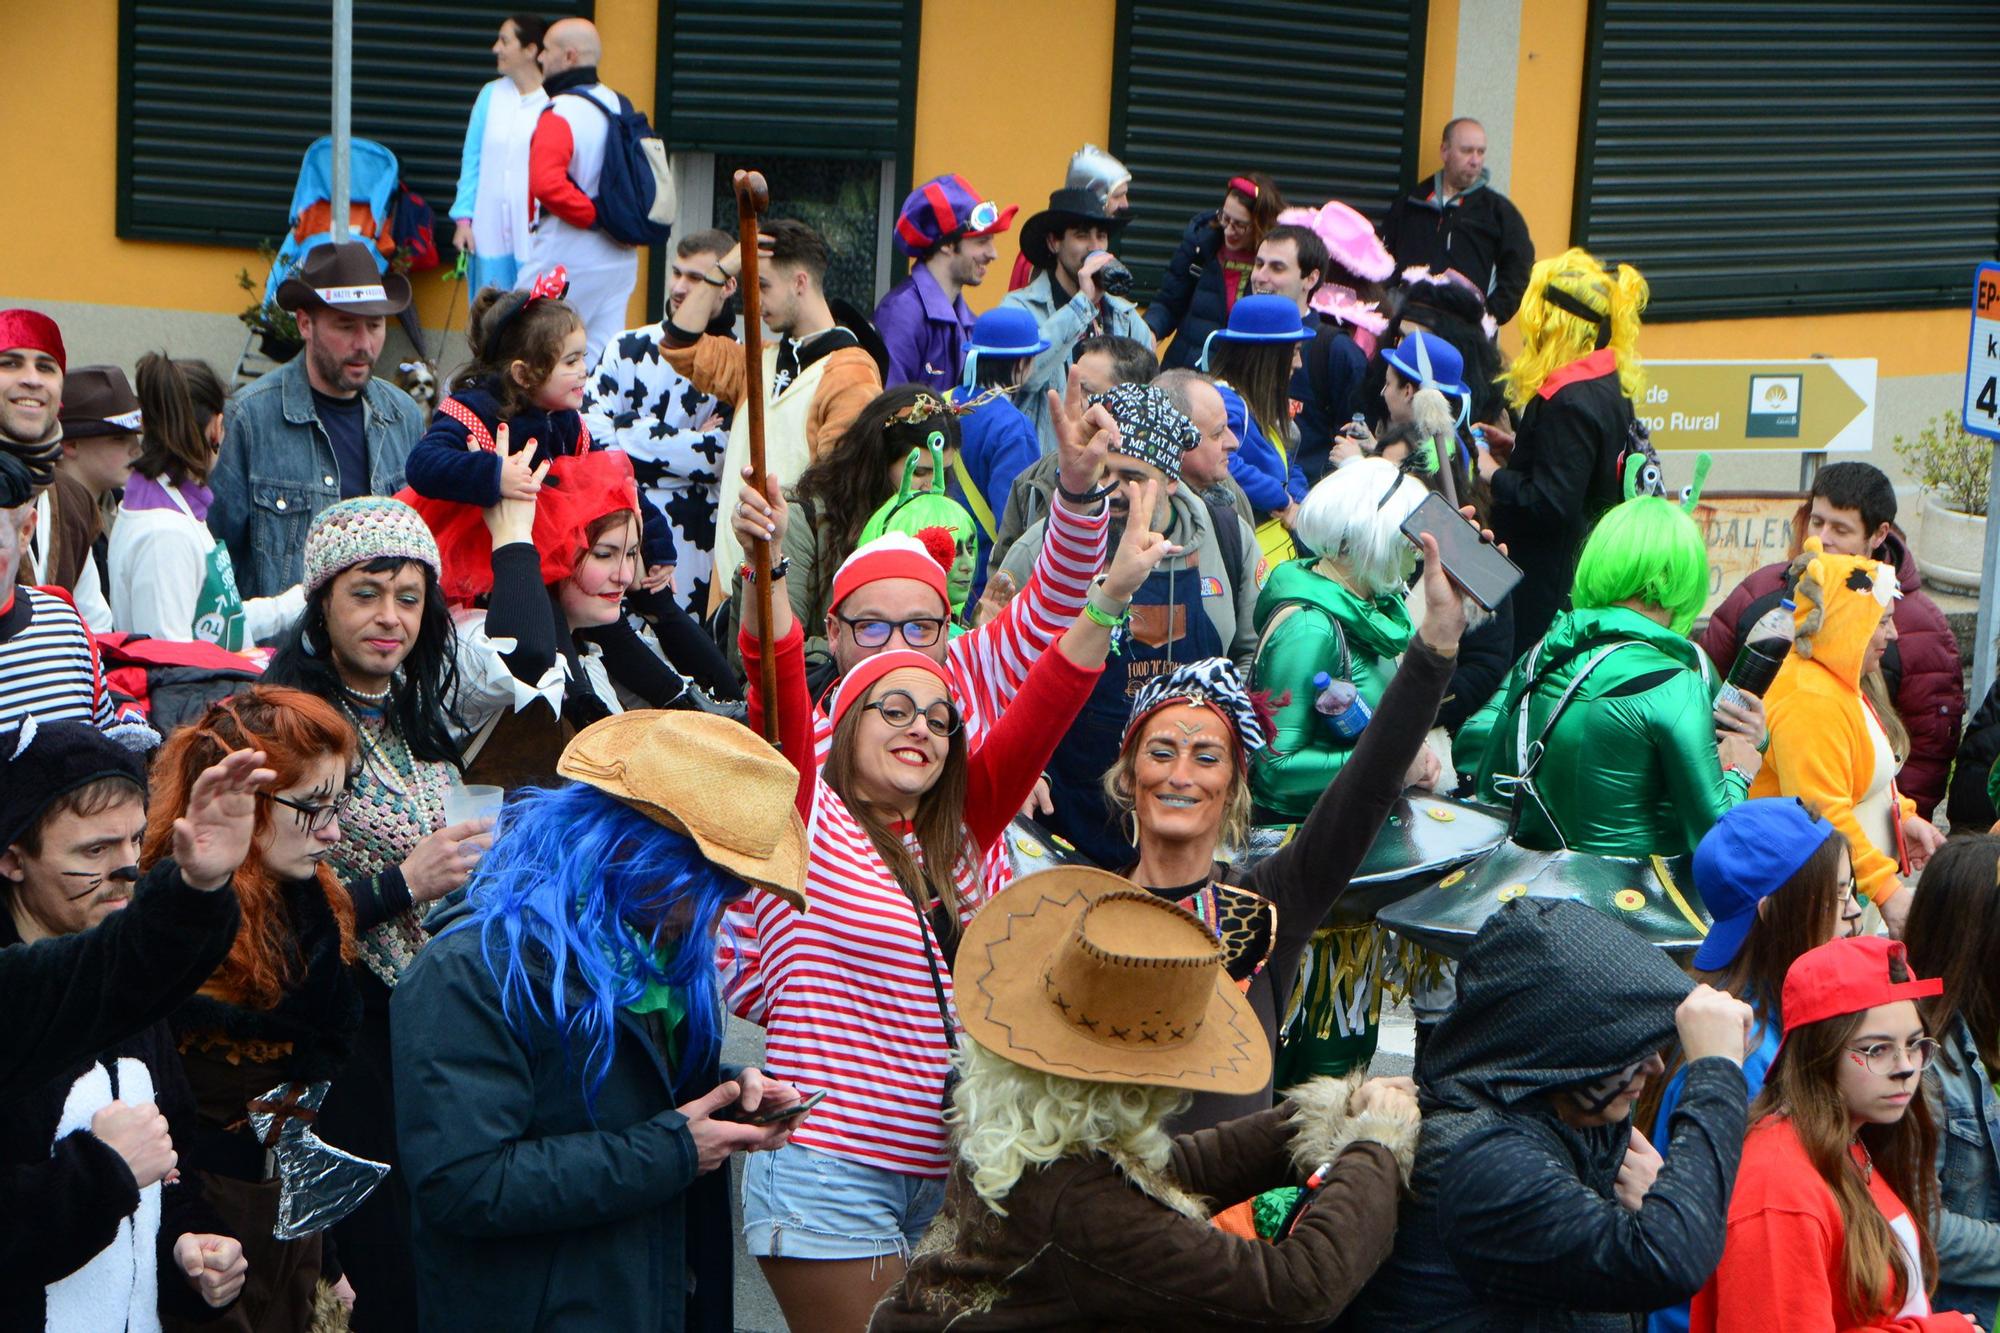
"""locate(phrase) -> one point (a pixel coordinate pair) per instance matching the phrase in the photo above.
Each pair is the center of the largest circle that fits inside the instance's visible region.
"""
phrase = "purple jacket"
(925, 333)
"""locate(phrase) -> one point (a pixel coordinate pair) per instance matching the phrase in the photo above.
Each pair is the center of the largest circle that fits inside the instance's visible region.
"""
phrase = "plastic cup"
(477, 801)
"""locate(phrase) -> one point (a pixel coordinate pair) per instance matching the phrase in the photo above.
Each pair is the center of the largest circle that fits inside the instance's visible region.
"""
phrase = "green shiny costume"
(1630, 767)
(1331, 1019)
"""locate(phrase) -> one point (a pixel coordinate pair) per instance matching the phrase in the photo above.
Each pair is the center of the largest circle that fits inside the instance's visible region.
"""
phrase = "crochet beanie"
(368, 527)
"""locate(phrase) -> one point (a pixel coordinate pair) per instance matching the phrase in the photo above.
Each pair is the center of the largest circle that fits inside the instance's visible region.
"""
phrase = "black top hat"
(342, 276)
(1067, 208)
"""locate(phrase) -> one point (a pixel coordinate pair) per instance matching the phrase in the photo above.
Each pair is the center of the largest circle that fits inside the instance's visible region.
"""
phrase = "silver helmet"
(1093, 169)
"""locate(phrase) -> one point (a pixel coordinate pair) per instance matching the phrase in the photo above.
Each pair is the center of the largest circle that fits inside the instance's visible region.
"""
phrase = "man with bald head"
(1457, 220)
(565, 161)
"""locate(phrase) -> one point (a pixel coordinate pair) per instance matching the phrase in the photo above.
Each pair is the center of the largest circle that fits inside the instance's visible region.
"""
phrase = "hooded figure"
(1828, 747)
(1511, 1221)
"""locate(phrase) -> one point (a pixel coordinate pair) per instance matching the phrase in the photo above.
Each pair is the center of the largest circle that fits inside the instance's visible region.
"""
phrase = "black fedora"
(342, 276)
(1067, 208)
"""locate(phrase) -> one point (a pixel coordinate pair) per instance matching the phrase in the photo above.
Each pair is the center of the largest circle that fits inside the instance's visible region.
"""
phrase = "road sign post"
(1982, 417)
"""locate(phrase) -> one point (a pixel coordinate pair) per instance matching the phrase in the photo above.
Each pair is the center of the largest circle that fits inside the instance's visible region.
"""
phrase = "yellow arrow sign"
(1763, 406)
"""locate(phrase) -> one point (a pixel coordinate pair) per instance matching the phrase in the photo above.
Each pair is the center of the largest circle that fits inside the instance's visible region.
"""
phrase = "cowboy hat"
(1067, 208)
(342, 275)
(1075, 972)
(707, 777)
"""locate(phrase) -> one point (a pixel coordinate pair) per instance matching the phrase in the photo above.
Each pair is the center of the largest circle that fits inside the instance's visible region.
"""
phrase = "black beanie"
(43, 761)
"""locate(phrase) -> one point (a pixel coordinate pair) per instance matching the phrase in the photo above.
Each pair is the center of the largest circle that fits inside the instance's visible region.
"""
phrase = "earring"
(306, 643)
(1132, 818)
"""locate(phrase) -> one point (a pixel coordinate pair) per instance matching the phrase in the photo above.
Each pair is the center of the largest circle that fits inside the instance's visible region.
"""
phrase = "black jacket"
(1562, 474)
(1329, 389)
(1511, 1222)
(69, 998)
(1193, 300)
(527, 1213)
(1968, 806)
(1480, 233)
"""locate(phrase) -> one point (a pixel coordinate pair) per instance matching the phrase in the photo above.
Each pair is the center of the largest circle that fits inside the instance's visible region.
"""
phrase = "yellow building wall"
(1440, 81)
(66, 247)
(1006, 111)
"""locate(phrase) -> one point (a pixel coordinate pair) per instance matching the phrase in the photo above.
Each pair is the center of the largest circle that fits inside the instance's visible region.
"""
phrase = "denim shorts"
(801, 1204)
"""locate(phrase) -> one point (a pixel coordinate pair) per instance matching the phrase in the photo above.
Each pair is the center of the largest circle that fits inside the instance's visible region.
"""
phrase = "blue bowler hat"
(1426, 359)
(1005, 332)
(1748, 856)
(1259, 319)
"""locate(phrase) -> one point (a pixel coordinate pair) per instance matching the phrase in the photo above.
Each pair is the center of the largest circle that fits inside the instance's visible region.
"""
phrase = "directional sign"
(1982, 359)
(1760, 406)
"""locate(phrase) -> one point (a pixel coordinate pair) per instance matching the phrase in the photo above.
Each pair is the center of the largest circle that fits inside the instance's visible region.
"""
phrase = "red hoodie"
(1783, 1269)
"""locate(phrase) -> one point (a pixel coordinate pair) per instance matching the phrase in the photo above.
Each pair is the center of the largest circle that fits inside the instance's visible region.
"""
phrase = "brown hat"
(1075, 972)
(98, 400)
(343, 276)
(707, 777)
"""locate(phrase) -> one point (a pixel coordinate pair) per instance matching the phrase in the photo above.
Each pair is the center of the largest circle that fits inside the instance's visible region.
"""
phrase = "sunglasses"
(311, 818)
(918, 632)
(899, 708)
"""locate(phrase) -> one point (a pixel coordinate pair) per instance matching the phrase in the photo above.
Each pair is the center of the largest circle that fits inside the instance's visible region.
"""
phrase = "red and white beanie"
(893, 555)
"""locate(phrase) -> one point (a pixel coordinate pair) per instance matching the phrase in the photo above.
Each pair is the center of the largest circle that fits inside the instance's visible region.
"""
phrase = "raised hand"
(1085, 434)
(1141, 549)
(760, 516)
(213, 837)
(520, 476)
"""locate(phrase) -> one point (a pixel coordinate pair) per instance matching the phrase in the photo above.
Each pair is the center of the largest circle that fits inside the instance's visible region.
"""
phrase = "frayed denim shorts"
(801, 1204)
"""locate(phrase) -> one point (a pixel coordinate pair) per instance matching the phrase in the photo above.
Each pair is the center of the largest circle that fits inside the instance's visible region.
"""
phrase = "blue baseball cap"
(1752, 851)
(1005, 332)
(1424, 358)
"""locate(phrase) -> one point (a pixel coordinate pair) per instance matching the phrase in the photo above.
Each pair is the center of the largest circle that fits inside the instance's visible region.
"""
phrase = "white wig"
(1354, 515)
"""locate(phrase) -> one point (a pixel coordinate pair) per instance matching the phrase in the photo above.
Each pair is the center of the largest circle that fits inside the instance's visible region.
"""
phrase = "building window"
(1763, 157)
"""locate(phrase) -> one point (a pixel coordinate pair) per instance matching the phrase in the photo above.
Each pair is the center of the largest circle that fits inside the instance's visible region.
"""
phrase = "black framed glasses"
(918, 632)
(899, 708)
(1886, 1057)
(312, 818)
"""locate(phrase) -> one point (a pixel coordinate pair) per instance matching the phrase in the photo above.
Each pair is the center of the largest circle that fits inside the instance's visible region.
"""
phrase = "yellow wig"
(1553, 337)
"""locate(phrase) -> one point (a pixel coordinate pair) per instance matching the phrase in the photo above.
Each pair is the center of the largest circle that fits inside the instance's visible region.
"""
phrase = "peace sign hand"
(1141, 549)
(1085, 434)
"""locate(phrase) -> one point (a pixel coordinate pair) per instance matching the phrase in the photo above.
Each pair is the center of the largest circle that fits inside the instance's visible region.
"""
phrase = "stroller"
(374, 195)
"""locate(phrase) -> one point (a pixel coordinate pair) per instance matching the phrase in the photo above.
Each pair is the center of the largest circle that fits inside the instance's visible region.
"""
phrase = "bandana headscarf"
(1150, 428)
(1213, 683)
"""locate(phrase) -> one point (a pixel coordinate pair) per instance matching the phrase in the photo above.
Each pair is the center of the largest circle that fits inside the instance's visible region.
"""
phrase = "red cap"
(893, 555)
(854, 686)
(31, 328)
(1849, 976)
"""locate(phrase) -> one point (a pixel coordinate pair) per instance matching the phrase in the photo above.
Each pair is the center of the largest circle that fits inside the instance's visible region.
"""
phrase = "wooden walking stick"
(752, 198)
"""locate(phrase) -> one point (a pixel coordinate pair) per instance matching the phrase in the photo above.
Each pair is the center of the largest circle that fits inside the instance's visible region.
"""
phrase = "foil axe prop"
(318, 1184)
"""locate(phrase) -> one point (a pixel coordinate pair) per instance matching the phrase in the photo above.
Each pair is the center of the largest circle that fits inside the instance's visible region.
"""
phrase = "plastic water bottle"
(1345, 711)
(1479, 438)
(1764, 650)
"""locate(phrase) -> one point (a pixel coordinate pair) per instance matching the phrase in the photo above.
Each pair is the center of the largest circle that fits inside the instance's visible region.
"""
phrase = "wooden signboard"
(1745, 531)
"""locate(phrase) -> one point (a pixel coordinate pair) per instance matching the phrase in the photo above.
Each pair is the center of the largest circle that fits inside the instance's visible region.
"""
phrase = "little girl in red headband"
(1829, 1222)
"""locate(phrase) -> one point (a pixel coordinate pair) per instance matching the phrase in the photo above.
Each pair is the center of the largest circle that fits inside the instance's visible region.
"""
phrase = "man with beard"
(948, 230)
(318, 429)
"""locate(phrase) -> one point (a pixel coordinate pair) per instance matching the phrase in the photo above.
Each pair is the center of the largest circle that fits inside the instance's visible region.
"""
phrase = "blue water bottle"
(1345, 711)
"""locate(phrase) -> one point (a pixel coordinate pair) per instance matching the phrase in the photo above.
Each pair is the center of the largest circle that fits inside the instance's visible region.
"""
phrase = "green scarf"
(1381, 626)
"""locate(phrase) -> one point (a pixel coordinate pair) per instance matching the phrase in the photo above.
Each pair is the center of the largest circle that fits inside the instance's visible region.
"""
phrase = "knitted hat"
(1150, 428)
(98, 400)
(854, 686)
(43, 761)
(368, 527)
(33, 329)
(893, 555)
(945, 209)
(1750, 853)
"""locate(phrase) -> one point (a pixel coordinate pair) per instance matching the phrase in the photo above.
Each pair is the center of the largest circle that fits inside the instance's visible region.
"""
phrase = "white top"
(158, 560)
(500, 200)
(89, 589)
(555, 241)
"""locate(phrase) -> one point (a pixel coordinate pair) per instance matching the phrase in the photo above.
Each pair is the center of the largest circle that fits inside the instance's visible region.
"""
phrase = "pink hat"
(1349, 238)
(854, 686)
(893, 555)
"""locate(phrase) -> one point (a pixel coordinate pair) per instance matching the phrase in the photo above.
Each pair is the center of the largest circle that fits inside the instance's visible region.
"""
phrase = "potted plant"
(277, 332)
(1954, 468)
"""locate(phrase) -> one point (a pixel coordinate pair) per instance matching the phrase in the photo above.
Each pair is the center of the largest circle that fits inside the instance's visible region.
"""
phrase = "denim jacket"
(1064, 326)
(1967, 1230)
(276, 471)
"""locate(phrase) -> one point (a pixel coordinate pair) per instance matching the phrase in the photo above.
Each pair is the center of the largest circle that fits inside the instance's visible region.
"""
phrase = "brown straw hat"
(1075, 972)
(707, 777)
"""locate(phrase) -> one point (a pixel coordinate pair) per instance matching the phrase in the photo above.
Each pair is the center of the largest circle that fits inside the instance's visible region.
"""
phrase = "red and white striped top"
(844, 991)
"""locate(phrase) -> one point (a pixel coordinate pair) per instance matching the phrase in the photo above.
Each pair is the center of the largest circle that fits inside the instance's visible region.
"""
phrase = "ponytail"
(177, 400)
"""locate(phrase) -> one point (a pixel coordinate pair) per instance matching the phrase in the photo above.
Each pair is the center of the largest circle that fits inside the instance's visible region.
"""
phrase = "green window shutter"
(804, 77)
(217, 103)
(1325, 95)
(1761, 157)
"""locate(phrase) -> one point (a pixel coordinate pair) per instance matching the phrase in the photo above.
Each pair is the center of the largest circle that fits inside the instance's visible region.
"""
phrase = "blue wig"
(584, 882)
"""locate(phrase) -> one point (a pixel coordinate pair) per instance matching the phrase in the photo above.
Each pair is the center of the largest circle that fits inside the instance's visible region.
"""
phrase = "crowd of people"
(387, 836)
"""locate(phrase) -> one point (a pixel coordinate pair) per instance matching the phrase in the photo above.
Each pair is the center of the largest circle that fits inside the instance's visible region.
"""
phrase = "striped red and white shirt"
(845, 991)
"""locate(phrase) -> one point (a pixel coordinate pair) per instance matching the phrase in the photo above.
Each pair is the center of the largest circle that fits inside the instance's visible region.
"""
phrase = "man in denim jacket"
(318, 429)
(1966, 1229)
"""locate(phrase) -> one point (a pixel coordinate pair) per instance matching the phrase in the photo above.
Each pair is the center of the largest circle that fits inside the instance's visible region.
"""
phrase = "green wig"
(1649, 548)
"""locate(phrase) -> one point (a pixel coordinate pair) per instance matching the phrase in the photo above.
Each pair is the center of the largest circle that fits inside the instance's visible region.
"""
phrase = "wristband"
(716, 276)
(779, 568)
(1085, 497)
(1105, 618)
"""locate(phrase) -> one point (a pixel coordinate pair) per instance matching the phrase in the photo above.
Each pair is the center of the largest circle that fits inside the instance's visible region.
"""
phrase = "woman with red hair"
(282, 1009)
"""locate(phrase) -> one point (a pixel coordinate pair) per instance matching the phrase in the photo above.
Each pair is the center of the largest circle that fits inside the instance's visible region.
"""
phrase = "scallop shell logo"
(1511, 892)
(1777, 395)
(1629, 900)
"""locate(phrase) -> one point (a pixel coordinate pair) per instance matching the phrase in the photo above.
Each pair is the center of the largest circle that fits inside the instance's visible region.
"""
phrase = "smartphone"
(762, 1116)
(1486, 575)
